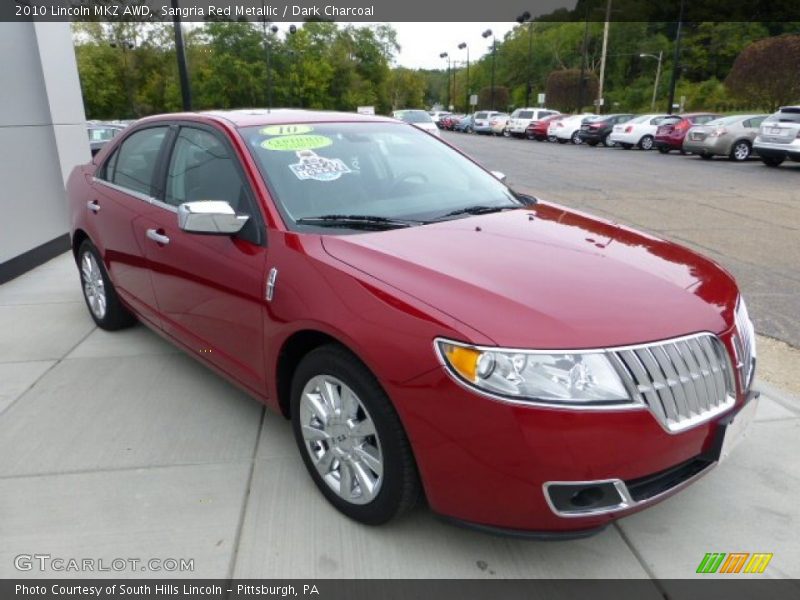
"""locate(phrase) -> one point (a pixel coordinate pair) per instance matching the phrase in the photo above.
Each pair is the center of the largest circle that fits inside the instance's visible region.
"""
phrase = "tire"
(576, 139)
(663, 149)
(552, 138)
(646, 143)
(506, 133)
(398, 487)
(626, 146)
(530, 137)
(741, 151)
(607, 142)
(104, 305)
(772, 161)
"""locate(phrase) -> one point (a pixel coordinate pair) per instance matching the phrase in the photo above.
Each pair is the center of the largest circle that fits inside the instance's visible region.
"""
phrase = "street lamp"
(463, 46)
(485, 35)
(447, 56)
(124, 46)
(526, 18)
(658, 75)
(676, 60)
(293, 64)
(267, 30)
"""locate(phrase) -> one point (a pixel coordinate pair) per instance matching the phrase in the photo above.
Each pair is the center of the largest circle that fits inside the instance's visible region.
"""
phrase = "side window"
(108, 170)
(201, 168)
(135, 161)
(755, 123)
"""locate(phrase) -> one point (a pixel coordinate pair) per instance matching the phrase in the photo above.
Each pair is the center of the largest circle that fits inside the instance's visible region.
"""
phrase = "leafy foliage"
(767, 72)
(566, 92)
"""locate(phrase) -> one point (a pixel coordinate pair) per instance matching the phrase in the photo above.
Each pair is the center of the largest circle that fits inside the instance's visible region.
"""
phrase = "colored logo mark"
(293, 143)
(734, 562)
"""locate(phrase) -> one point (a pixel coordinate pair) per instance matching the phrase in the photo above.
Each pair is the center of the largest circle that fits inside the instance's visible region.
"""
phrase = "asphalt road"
(744, 216)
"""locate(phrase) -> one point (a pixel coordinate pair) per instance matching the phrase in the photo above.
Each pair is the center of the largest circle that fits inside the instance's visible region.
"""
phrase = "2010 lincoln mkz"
(428, 330)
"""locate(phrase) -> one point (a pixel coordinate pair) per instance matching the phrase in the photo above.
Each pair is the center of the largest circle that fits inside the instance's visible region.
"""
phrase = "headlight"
(570, 379)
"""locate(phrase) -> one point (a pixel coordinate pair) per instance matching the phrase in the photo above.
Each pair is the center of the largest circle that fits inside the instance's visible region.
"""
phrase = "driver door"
(210, 288)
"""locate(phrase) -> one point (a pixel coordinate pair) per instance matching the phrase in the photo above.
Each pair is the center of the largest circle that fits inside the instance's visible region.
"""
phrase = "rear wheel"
(576, 139)
(350, 437)
(740, 151)
(772, 161)
(663, 149)
(98, 291)
(607, 142)
(552, 138)
(646, 143)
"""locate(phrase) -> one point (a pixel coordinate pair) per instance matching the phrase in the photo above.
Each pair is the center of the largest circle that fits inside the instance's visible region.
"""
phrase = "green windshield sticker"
(293, 143)
(290, 129)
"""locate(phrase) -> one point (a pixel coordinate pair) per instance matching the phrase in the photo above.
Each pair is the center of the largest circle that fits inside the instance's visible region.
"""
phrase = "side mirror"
(215, 217)
(499, 175)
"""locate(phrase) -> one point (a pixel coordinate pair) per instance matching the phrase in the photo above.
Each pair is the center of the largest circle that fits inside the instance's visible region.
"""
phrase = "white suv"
(779, 137)
(522, 117)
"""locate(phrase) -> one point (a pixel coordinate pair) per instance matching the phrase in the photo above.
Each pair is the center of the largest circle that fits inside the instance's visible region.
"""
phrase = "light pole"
(180, 51)
(485, 35)
(658, 75)
(292, 54)
(606, 26)
(463, 46)
(523, 18)
(124, 46)
(267, 30)
(676, 61)
(584, 50)
(447, 56)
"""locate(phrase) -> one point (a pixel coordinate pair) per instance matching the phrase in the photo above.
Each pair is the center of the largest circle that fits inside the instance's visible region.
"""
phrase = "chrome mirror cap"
(499, 175)
(210, 216)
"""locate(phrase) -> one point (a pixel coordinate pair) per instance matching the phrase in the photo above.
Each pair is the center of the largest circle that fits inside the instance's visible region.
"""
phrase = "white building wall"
(42, 137)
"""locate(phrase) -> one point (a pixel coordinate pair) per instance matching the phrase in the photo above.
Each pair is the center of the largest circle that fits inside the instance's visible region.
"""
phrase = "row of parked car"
(774, 138)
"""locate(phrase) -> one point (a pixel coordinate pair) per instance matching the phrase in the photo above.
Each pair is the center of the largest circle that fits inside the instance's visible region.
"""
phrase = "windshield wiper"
(478, 209)
(356, 221)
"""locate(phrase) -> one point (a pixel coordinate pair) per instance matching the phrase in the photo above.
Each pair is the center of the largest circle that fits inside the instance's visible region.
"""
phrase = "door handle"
(158, 238)
(93, 206)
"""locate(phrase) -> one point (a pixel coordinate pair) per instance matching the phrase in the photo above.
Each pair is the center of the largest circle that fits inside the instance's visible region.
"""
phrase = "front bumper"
(488, 463)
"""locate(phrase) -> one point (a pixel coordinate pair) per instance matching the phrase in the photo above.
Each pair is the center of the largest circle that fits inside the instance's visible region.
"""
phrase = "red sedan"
(537, 130)
(672, 129)
(376, 287)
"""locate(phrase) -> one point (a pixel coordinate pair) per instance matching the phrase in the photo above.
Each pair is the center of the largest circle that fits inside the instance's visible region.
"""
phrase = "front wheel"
(350, 437)
(98, 291)
(576, 139)
(552, 138)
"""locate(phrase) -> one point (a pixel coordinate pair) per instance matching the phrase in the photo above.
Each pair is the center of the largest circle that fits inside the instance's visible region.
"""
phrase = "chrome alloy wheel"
(741, 151)
(341, 439)
(93, 286)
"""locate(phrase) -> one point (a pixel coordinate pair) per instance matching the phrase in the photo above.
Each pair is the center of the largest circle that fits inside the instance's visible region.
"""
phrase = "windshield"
(413, 116)
(383, 170)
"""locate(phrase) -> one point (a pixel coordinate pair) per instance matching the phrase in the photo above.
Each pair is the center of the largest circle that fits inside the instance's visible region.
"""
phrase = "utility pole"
(267, 30)
(486, 34)
(180, 51)
(603, 59)
(584, 50)
(447, 56)
(675, 61)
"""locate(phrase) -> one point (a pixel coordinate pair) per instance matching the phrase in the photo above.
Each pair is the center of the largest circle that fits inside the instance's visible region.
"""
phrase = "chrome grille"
(683, 382)
(745, 344)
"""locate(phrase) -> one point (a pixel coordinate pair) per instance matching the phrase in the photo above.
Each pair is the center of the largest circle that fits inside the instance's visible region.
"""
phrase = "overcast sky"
(422, 43)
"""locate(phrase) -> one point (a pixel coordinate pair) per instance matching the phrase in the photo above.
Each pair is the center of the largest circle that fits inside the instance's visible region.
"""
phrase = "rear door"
(210, 288)
(123, 193)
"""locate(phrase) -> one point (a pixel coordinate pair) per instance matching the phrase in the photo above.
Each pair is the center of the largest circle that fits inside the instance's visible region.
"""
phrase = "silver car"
(727, 136)
(779, 137)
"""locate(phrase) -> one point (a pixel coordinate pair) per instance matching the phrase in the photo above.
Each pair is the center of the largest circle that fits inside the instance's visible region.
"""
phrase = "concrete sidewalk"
(116, 445)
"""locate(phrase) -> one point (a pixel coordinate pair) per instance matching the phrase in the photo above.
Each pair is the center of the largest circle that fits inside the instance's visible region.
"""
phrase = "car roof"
(275, 116)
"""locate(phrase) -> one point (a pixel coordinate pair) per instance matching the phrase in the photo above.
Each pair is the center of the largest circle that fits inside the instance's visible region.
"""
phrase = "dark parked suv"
(596, 130)
(779, 137)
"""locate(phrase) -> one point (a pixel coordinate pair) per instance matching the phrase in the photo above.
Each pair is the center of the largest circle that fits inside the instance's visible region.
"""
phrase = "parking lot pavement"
(744, 216)
(114, 445)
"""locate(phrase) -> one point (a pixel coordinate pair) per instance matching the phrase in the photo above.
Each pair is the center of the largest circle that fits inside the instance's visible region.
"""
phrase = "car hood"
(547, 277)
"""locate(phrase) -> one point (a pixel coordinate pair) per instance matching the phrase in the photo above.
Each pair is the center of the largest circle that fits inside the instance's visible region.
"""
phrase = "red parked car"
(376, 287)
(672, 130)
(537, 130)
